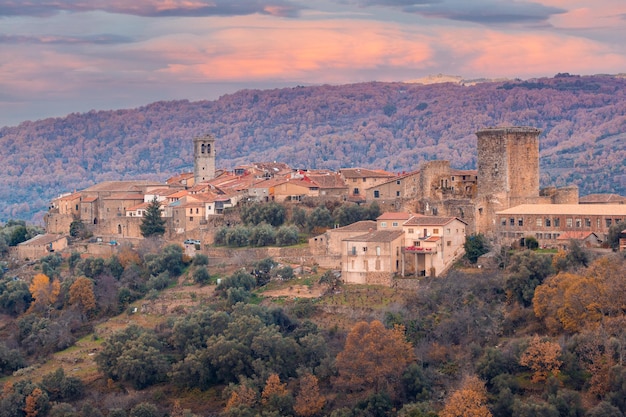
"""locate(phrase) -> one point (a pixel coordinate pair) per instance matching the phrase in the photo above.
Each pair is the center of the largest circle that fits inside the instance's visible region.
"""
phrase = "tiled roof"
(365, 173)
(89, 199)
(121, 186)
(395, 215)
(377, 236)
(363, 226)
(396, 178)
(327, 180)
(602, 198)
(42, 239)
(565, 209)
(124, 197)
(429, 221)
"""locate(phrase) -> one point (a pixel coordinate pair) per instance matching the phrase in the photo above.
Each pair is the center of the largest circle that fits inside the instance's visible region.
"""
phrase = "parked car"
(191, 242)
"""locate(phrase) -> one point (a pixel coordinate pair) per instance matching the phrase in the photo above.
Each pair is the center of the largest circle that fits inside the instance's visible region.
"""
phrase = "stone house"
(327, 247)
(358, 180)
(432, 244)
(547, 222)
(404, 186)
(41, 245)
(392, 220)
(372, 258)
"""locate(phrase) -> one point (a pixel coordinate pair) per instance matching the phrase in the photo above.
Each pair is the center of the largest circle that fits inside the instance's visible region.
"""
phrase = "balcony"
(418, 249)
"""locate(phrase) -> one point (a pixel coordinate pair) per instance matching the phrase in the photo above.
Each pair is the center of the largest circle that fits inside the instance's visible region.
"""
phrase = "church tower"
(203, 158)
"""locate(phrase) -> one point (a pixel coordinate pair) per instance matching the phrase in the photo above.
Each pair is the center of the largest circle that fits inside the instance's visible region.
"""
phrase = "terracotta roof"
(395, 215)
(327, 180)
(42, 240)
(89, 199)
(179, 194)
(430, 221)
(124, 197)
(71, 196)
(179, 177)
(363, 226)
(602, 198)
(163, 191)
(565, 209)
(377, 236)
(121, 186)
(365, 173)
(396, 178)
(433, 239)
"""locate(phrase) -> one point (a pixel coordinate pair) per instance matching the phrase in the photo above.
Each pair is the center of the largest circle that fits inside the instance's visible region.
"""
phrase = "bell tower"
(203, 158)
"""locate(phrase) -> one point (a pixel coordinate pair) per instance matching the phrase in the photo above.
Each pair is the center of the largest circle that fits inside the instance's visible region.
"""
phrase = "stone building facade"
(203, 158)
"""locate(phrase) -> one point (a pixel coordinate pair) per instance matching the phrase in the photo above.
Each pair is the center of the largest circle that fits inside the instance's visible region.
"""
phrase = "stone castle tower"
(508, 171)
(508, 163)
(203, 158)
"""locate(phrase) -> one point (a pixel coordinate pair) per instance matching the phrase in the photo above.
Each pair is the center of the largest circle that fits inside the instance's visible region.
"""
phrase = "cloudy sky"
(64, 56)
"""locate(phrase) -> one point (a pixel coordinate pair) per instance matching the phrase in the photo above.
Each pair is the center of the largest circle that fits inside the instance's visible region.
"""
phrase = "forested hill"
(393, 126)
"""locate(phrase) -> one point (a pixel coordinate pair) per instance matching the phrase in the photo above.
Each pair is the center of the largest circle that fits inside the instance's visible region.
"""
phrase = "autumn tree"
(152, 223)
(373, 356)
(43, 291)
(82, 295)
(242, 396)
(543, 358)
(468, 401)
(309, 401)
(273, 387)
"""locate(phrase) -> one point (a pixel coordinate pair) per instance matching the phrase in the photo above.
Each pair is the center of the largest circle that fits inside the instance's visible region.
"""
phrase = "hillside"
(393, 126)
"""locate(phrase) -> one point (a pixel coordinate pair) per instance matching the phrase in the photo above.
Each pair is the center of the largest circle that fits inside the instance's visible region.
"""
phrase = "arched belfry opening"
(203, 159)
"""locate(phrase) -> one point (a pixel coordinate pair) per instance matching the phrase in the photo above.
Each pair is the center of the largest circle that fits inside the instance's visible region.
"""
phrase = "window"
(397, 193)
(416, 243)
(383, 224)
(365, 264)
(520, 221)
(547, 222)
(539, 222)
(448, 232)
(503, 221)
(480, 211)
(435, 231)
(364, 248)
(191, 219)
(398, 182)
(579, 223)
(449, 243)
(410, 230)
(197, 212)
(512, 221)
(364, 179)
(353, 179)
(557, 222)
(608, 222)
(587, 222)
(425, 232)
(376, 194)
(378, 264)
(356, 191)
(377, 250)
(394, 224)
(569, 222)
(354, 250)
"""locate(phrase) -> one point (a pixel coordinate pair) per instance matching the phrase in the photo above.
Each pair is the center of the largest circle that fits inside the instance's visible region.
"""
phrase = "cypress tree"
(152, 223)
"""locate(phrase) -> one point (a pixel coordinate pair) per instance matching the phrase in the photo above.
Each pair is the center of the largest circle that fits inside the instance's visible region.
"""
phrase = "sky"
(71, 56)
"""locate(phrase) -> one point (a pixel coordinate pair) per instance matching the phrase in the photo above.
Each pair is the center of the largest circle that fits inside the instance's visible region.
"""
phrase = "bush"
(201, 275)
(200, 260)
(287, 235)
(476, 246)
(262, 235)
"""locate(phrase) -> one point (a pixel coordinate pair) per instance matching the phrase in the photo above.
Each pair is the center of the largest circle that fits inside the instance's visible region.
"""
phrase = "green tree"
(286, 235)
(614, 232)
(475, 246)
(152, 223)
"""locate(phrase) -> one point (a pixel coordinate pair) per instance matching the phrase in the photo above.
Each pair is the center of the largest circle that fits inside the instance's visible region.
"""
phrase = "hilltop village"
(426, 213)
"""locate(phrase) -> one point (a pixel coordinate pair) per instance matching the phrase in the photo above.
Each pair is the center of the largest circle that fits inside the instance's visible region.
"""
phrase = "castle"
(193, 203)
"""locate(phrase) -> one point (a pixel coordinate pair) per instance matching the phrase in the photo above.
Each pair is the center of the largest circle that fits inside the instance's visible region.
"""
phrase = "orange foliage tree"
(309, 401)
(242, 396)
(81, 295)
(43, 291)
(468, 401)
(373, 356)
(273, 387)
(542, 357)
